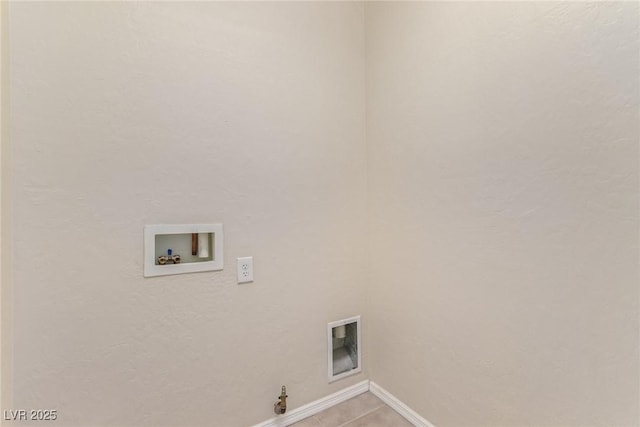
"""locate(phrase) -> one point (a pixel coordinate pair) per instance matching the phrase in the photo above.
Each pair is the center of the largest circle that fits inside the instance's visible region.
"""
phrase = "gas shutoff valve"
(280, 407)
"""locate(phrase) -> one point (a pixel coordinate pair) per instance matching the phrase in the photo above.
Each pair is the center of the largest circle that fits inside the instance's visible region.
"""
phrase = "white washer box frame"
(330, 327)
(150, 233)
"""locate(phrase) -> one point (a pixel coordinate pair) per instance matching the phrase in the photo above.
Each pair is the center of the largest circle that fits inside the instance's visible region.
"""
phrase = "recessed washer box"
(182, 248)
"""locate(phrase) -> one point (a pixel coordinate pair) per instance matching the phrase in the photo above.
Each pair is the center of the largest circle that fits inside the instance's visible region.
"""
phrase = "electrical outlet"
(245, 269)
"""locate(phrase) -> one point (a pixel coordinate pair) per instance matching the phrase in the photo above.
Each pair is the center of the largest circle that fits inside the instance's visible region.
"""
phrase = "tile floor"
(365, 410)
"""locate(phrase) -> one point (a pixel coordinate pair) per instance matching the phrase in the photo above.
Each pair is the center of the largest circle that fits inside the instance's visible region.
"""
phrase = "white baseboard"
(402, 409)
(316, 406)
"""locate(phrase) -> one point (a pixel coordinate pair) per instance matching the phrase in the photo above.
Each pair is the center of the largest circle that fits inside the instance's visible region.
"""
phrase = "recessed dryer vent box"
(344, 348)
(182, 248)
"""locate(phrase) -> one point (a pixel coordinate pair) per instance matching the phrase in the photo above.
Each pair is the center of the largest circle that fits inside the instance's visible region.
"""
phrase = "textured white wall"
(503, 174)
(503, 240)
(5, 296)
(126, 114)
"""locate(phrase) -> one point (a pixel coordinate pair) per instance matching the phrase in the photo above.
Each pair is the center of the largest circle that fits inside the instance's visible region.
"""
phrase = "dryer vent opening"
(344, 348)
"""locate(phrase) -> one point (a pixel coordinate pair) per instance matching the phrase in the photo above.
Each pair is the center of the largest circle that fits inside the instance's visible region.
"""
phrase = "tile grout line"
(361, 416)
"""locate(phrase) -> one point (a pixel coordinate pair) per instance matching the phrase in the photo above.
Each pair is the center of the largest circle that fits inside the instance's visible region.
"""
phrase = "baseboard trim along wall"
(316, 406)
(412, 416)
(327, 402)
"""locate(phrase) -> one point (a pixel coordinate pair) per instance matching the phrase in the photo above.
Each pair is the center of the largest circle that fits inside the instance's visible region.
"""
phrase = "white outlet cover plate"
(245, 269)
